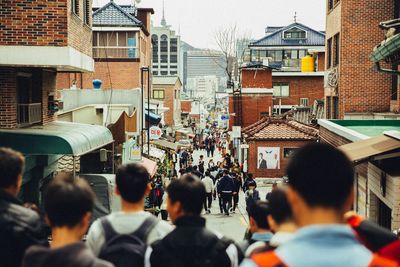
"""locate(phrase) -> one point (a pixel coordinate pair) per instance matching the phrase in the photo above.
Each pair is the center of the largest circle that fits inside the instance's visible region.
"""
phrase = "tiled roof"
(113, 15)
(314, 38)
(279, 129)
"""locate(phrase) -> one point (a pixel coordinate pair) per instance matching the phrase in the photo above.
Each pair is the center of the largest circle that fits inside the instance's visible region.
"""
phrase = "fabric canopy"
(56, 138)
(370, 147)
(166, 144)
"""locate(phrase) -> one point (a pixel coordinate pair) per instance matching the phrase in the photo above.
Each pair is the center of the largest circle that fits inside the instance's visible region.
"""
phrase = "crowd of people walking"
(305, 222)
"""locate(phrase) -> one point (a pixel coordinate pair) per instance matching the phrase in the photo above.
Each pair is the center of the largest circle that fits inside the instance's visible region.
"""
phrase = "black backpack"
(126, 250)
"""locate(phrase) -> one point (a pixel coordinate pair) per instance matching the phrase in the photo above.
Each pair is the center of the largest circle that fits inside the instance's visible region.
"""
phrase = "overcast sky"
(198, 20)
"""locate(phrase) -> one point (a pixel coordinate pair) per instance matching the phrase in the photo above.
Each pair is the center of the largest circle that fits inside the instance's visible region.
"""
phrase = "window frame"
(86, 12)
(281, 84)
(158, 91)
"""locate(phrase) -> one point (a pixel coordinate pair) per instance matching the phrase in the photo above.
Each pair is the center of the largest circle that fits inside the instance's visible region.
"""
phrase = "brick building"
(271, 142)
(168, 89)
(255, 97)
(38, 39)
(353, 89)
(121, 45)
(297, 53)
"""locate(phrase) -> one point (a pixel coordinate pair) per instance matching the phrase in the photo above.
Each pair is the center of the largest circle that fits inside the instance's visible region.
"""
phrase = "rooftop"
(112, 14)
(270, 128)
(274, 37)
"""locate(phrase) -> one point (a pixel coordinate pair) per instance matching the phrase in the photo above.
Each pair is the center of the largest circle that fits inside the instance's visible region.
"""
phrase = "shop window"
(289, 151)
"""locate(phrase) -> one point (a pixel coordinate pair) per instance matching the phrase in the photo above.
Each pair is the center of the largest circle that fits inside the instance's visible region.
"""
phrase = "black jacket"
(20, 228)
(226, 184)
(191, 244)
(74, 255)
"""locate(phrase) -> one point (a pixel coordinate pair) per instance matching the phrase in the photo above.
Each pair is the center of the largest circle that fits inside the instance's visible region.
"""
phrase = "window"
(173, 67)
(304, 102)
(75, 6)
(288, 152)
(164, 58)
(173, 45)
(281, 89)
(164, 43)
(294, 33)
(173, 72)
(330, 4)
(173, 58)
(154, 39)
(115, 45)
(164, 73)
(155, 72)
(158, 94)
(86, 12)
(336, 49)
(395, 79)
(164, 67)
(329, 54)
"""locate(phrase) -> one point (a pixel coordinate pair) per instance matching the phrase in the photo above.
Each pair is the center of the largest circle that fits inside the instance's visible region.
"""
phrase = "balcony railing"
(115, 52)
(29, 113)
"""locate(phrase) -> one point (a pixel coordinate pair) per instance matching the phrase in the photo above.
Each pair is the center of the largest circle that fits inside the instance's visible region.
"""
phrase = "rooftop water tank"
(307, 64)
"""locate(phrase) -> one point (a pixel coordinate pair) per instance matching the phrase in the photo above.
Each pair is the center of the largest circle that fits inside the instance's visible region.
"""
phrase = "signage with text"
(155, 133)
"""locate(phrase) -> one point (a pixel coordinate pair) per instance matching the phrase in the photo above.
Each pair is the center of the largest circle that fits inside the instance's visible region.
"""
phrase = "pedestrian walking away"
(209, 186)
(226, 188)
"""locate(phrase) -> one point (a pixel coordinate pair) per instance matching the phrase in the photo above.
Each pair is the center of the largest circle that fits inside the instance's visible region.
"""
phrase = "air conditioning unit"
(304, 102)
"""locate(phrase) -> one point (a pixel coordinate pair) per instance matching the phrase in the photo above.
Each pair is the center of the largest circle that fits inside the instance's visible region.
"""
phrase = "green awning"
(56, 138)
(388, 48)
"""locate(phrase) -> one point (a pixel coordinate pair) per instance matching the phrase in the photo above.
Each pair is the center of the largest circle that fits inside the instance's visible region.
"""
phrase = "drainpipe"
(389, 71)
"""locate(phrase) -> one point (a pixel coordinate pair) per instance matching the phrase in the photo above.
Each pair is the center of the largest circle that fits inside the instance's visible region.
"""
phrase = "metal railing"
(115, 52)
(29, 113)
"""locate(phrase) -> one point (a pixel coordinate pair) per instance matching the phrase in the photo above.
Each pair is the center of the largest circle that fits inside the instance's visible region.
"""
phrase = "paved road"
(235, 225)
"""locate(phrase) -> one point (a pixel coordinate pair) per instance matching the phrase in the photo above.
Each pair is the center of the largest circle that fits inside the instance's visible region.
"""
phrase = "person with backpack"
(68, 203)
(260, 229)
(190, 244)
(226, 187)
(122, 237)
(320, 191)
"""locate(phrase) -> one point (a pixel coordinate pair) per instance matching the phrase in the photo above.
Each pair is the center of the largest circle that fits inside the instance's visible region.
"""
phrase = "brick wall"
(361, 89)
(38, 23)
(253, 154)
(321, 62)
(252, 106)
(261, 78)
(168, 102)
(8, 98)
(301, 87)
(331, 138)
(186, 105)
(79, 33)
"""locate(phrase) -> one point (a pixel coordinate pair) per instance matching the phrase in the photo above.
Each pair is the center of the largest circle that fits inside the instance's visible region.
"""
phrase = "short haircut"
(11, 166)
(322, 175)
(226, 171)
(132, 180)
(259, 212)
(279, 206)
(195, 168)
(67, 200)
(208, 173)
(189, 191)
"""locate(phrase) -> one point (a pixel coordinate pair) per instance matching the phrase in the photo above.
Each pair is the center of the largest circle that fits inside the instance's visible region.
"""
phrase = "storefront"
(374, 147)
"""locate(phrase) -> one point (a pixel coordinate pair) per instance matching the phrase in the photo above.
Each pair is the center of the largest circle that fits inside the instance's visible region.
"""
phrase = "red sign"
(155, 133)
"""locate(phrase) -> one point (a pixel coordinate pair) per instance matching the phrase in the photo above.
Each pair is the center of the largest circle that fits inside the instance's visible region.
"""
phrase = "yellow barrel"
(307, 64)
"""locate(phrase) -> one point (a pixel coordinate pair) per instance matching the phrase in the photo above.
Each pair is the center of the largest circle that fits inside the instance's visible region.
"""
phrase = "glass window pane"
(294, 54)
(95, 39)
(278, 56)
(302, 53)
(122, 39)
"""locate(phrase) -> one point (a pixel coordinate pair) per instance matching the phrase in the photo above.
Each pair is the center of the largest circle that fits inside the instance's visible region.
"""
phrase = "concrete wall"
(77, 98)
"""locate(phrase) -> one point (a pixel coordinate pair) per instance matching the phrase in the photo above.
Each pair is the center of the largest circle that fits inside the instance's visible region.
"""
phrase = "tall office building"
(166, 50)
(202, 63)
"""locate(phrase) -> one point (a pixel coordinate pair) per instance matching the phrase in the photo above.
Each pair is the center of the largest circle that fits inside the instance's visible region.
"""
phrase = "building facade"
(352, 87)
(297, 53)
(38, 40)
(121, 46)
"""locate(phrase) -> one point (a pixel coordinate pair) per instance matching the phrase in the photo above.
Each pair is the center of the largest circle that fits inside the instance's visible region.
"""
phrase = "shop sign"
(131, 151)
(236, 131)
(155, 133)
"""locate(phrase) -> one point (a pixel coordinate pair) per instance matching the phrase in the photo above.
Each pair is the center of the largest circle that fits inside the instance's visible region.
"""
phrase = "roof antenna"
(295, 17)
(163, 21)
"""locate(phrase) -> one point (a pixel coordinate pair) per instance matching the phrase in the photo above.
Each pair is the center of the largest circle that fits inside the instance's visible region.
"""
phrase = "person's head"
(261, 155)
(211, 160)
(195, 168)
(280, 210)
(201, 156)
(185, 197)
(207, 174)
(258, 214)
(274, 186)
(226, 172)
(320, 179)
(11, 167)
(132, 182)
(68, 203)
(252, 185)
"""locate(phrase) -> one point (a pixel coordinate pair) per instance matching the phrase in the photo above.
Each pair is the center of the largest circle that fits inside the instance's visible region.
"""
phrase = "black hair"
(132, 180)
(195, 167)
(208, 173)
(67, 200)
(322, 175)
(11, 166)
(189, 191)
(279, 206)
(259, 211)
(226, 171)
